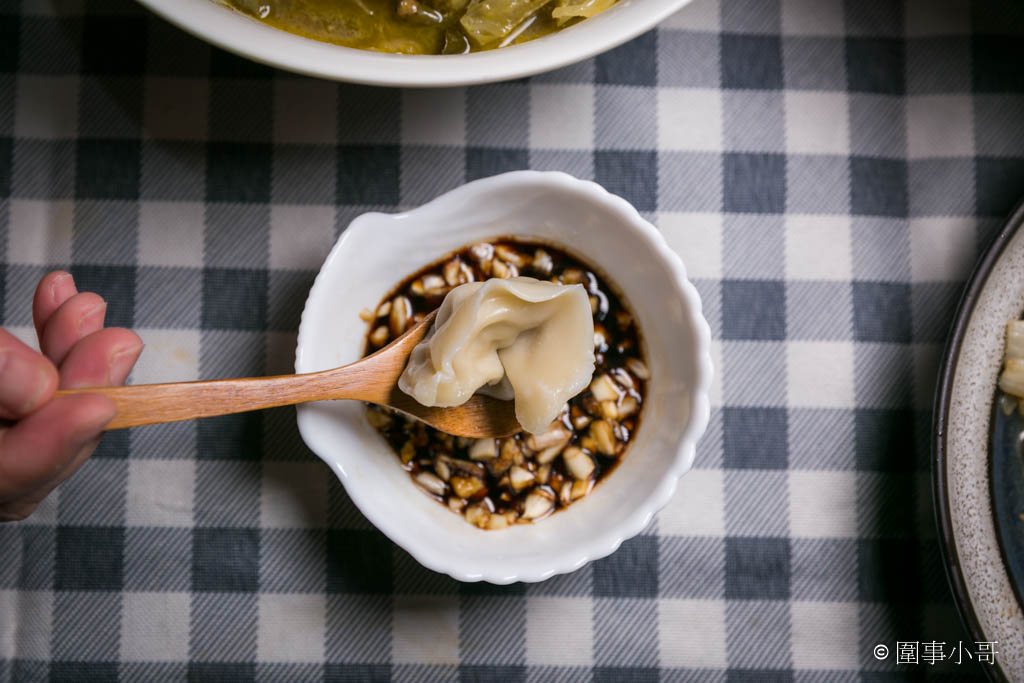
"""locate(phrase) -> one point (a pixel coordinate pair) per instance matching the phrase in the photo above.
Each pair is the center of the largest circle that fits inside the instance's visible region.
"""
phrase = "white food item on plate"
(518, 338)
(1011, 380)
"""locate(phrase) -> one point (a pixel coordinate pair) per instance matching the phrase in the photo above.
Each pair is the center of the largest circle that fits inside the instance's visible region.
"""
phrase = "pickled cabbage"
(422, 26)
(579, 9)
(488, 21)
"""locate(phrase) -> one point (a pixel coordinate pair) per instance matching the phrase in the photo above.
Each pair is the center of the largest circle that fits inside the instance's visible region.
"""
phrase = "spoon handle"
(144, 404)
(371, 379)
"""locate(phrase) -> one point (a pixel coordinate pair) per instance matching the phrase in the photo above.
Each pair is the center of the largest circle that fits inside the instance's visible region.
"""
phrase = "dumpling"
(518, 338)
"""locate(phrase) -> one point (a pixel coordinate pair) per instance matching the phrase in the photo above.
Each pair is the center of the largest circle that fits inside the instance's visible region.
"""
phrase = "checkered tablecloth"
(828, 171)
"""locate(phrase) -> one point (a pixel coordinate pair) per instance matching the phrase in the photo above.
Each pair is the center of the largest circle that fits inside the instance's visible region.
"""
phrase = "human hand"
(43, 439)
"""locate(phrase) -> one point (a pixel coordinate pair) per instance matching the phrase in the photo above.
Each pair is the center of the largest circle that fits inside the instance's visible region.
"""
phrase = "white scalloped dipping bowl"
(378, 250)
(231, 30)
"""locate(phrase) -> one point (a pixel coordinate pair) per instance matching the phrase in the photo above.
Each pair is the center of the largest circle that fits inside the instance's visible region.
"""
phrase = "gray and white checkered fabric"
(828, 170)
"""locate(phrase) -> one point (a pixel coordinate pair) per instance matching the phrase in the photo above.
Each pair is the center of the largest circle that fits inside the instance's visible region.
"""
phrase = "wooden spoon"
(372, 379)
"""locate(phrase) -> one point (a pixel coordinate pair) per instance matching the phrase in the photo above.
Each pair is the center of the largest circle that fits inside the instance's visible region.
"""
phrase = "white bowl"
(245, 36)
(378, 250)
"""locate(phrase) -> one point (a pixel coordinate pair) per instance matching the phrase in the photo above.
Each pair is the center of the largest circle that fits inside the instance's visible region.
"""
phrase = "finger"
(46, 446)
(102, 359)
(75, 319)
(27, 380)
(20, 508)
(54, 289)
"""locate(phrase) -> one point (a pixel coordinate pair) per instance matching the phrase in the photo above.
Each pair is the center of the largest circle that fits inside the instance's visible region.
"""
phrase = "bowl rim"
(698, 392)
(231, 30)
(942, 401)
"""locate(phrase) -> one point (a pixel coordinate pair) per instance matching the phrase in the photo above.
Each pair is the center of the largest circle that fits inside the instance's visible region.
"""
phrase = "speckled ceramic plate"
(969, 432)
(1006, 474)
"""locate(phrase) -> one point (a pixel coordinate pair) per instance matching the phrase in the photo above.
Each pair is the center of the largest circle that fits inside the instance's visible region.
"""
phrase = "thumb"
(27, 379)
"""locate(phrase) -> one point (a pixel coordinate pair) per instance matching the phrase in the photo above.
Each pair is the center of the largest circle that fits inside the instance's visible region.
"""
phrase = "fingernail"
(99, 310)
(57, 283)
(22, 382)
(121, 362)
